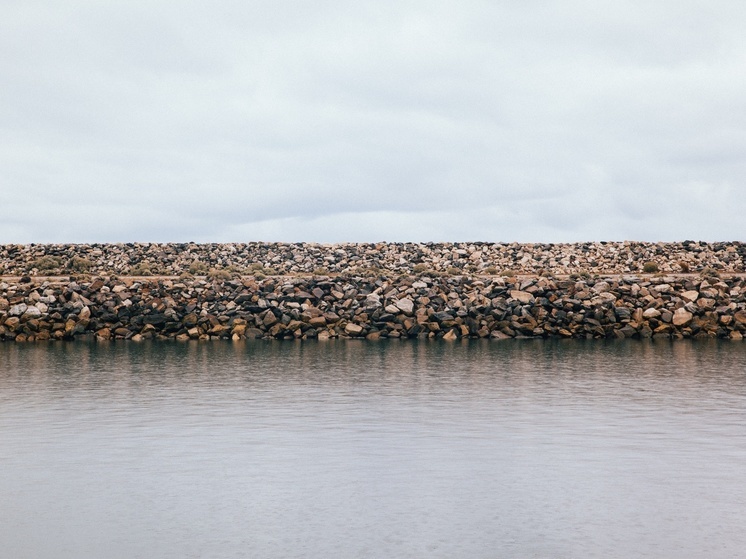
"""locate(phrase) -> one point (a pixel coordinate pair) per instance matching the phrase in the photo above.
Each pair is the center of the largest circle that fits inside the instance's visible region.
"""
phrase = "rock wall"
(322, 307)
(370, 259)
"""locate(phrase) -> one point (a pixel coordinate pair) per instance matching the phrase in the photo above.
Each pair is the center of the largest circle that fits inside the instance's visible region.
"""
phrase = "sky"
(332, 121)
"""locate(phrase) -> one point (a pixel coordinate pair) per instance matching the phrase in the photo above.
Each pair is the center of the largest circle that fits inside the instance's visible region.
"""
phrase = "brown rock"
(353, 329)
(104, 334)
(450, 335)
(740, 317)
(522, 296)
(682, 317)
(317, 322)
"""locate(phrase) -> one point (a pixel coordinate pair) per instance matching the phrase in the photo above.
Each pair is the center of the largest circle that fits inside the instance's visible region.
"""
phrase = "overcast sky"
(327, 121)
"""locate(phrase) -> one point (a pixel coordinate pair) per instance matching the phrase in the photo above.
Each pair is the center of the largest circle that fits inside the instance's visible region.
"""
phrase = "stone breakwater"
(446, 307)
(143, 259)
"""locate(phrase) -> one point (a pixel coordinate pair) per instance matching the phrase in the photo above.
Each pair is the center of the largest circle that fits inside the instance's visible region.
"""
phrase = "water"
(355, 449)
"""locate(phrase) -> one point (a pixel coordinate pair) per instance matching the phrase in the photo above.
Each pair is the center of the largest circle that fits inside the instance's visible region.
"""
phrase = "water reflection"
(356, 449)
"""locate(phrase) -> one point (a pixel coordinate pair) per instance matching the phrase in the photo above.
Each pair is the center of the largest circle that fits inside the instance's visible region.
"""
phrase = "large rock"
(31, 312)
(651, 313)
(682, 317)
(740, 317)
(353, 329)
(405, 305)
(523, 297)
(18, 310)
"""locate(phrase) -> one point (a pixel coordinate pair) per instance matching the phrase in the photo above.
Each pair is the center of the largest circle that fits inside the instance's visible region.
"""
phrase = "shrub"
(650, 267)
(684, 267)
(491, 271)
(453, 271)
(709, 273)
(320, 271)
(508, 273)
(198, 268)
(79, 264)
(420, 268)
(47, 264)
(141, 269)
(217, 274)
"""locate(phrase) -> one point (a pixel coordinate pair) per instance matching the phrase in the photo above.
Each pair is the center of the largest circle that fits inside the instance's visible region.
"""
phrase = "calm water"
(355, 449)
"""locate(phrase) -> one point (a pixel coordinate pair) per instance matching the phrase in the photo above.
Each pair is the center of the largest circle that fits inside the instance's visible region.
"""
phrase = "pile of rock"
(174, 259)
(322, 307)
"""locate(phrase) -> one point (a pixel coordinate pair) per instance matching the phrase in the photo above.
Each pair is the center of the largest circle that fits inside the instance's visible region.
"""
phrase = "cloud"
(542, 121)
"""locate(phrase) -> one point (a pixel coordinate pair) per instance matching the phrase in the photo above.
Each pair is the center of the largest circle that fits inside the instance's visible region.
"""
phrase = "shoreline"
(450, 291)
(373, 307)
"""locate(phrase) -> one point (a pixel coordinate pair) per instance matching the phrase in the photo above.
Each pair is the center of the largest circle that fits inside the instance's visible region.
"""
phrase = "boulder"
(682, 317)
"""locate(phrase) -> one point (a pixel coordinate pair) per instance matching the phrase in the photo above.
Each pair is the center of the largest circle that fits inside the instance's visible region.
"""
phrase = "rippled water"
(357, 449)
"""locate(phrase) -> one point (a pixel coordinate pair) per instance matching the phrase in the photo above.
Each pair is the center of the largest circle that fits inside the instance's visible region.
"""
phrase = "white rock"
(406, 305)
(32, 312)
(651, 313)
(18, 310)
(601, 287)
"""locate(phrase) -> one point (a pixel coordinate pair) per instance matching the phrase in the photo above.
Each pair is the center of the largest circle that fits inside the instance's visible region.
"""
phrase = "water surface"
(357, 449)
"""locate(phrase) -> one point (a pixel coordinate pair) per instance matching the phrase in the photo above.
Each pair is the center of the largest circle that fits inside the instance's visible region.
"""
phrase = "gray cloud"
(535, 121)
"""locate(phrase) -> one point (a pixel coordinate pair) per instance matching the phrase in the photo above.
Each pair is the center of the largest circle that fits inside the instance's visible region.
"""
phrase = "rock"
(253, 333)
(651, 313)
(104, 334)
(450, 335)
(601, 287)
(682, 317)
(31, 312)
(352, 329)
(690, 296)
(317, 322)
(405, 305)
(18, 310)
(740, 317)
(522, 296)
